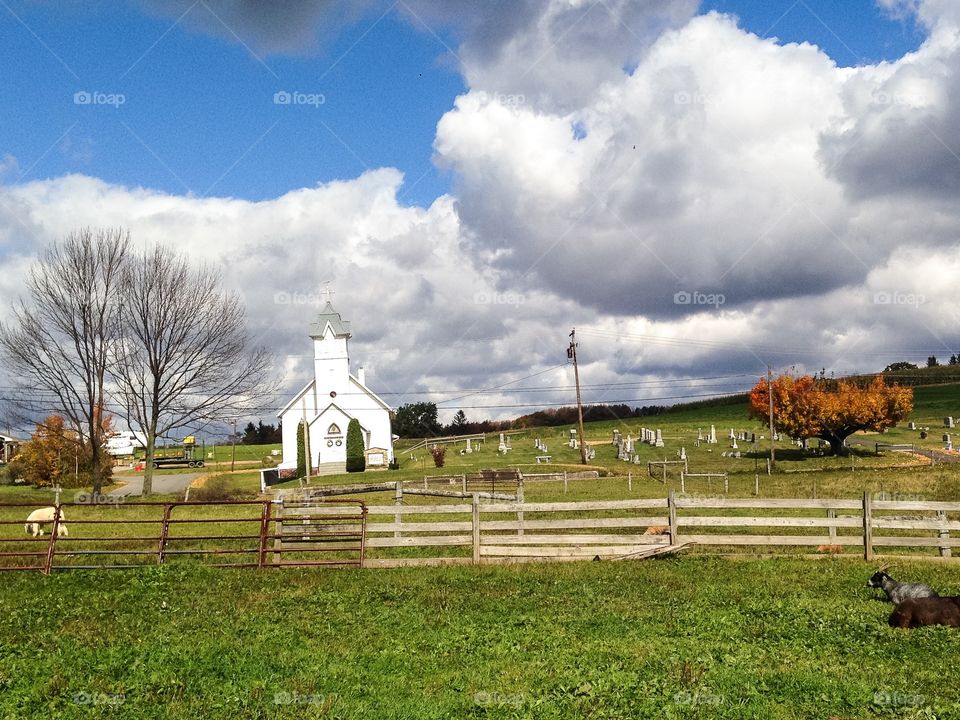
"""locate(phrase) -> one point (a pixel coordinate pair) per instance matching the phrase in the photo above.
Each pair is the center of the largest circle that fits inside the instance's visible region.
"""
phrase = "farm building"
(330, 400)
(8, 448)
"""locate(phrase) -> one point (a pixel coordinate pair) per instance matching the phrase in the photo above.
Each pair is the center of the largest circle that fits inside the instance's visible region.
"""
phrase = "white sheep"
(40, 517)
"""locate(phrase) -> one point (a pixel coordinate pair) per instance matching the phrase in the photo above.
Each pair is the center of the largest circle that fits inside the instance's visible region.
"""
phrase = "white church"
(330, 400)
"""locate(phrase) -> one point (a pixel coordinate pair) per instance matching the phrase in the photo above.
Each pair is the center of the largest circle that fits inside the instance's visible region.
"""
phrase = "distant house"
(9, 446)
(125, 442)
(330, 400)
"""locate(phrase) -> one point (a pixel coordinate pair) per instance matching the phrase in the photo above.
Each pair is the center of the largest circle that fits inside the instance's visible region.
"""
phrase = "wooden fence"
(486, 532)
(275, 533)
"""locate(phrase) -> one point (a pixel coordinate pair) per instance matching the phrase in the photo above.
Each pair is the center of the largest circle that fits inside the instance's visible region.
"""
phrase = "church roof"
(329, 316)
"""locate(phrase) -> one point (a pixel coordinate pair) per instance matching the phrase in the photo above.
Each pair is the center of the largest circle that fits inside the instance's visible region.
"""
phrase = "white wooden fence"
(487, 532)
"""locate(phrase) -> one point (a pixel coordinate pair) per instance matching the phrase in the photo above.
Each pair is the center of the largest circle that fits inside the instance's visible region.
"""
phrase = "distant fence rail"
(338, 533)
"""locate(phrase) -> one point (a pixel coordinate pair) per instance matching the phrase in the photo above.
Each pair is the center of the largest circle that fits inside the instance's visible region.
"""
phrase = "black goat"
(897, 592)
(926, 611)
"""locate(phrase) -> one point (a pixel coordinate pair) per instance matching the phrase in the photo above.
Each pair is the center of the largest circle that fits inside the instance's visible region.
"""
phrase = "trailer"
(186, 459)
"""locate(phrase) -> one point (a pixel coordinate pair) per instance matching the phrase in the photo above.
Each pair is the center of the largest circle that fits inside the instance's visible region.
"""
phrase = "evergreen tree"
(301, 452)
(356, 461)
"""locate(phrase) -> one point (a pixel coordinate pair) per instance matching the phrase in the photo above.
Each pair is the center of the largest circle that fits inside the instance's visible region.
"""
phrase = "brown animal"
(830, 549)
(657, 530)
(926, 611)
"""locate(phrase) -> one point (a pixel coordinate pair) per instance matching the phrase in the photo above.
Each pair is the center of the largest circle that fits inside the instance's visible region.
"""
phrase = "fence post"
(944, 534)
(165, 533)
(476, 529)
(630, 480)
(726, 484)
(398, 501)
(564, 482)
(265, 514)
(672, 517)
(867, 527)
(756, 484)
(832, 530)
(52, 545)
(463, 481)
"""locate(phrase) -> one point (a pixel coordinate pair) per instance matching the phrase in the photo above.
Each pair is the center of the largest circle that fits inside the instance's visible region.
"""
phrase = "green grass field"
(678, 638)
(694, 636)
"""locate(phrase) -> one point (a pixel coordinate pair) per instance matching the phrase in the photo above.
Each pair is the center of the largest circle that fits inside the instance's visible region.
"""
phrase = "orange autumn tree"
(832, 410)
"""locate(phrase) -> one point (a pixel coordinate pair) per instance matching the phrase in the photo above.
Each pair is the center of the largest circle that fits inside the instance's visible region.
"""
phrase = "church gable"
(296, 398)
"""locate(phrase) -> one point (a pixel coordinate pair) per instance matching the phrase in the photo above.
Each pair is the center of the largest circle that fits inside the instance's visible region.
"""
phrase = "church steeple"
(330, 317)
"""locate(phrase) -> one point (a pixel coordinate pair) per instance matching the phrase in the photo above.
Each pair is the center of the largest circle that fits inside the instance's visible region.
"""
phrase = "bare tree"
(58, 348)
(183, 358)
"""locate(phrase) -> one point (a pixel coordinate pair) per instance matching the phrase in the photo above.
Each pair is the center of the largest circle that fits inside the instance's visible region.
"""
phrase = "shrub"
(439, 453)
(356, 462)
(214, 489)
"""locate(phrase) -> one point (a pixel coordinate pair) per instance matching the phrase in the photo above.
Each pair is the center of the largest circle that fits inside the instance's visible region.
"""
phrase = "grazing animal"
(40, 517)
(919, 612)
(657, 530)
(830, 549)
(897, 592)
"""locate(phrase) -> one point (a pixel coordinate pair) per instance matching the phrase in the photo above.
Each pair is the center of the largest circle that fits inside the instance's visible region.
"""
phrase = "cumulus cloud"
(697, 172)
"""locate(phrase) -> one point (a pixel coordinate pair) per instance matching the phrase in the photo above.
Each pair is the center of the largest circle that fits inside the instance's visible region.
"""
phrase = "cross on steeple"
(327, 293)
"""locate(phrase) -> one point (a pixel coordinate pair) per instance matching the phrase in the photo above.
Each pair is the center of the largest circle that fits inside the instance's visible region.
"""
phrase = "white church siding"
(332, 399)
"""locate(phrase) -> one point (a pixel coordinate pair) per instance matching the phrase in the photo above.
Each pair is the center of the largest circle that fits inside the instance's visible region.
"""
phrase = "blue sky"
(198, 114)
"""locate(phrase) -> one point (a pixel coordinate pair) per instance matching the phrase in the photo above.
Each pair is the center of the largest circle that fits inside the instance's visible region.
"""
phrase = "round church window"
(333, 393)
(329, 443)
(339, 443)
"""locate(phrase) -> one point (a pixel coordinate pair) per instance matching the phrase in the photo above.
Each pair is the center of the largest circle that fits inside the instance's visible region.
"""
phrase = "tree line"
(417, 420)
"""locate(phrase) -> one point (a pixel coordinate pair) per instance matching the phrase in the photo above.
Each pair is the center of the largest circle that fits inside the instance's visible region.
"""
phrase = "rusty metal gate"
(115, 535)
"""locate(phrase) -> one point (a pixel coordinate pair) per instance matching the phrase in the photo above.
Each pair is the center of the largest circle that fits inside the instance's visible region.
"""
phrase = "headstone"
(948, 422)
(502, 447)
(683, 453)
(659, 441)
(699, 434)
(737, 454)
(469, 447)
(911, 425)
(712, 440)
(947, 443)
(734, 444)
(733, 435)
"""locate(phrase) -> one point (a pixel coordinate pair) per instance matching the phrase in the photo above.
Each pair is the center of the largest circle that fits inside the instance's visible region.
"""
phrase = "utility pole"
(572, 354)
(773, 458)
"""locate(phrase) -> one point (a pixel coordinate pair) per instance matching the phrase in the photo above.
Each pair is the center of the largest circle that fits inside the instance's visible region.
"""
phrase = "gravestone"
(948, 422)
(712, 440)
(659, 439)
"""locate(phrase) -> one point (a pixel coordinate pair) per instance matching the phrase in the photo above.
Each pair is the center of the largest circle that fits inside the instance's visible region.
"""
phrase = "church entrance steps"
(334, 468)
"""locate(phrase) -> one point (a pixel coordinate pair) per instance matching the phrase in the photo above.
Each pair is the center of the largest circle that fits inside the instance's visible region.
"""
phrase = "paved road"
(164, 484)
